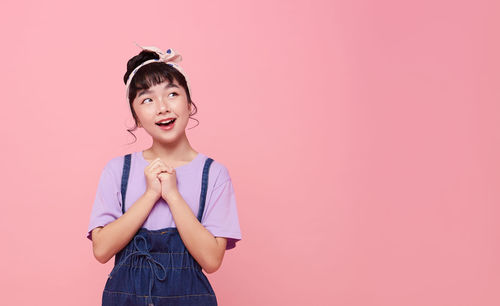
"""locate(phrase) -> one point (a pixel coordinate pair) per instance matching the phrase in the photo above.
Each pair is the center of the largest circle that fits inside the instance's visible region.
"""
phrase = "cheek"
(181, 110)
(144, 112)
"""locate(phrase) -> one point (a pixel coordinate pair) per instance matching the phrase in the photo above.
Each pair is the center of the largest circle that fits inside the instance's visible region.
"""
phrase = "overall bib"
(155, 268)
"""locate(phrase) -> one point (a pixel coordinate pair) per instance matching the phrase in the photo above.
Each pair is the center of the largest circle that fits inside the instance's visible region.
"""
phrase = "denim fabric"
(155, 268)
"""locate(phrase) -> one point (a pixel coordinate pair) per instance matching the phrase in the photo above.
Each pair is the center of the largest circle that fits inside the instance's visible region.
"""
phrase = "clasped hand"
(161, 179)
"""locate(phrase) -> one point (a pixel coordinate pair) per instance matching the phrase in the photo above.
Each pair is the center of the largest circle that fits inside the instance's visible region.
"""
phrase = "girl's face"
(162, 101)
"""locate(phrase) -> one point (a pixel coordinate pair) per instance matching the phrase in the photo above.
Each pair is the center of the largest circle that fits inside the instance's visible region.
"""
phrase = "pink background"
(362, 138)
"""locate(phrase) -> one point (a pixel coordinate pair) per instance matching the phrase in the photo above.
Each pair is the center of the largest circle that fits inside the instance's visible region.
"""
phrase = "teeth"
(166, 122)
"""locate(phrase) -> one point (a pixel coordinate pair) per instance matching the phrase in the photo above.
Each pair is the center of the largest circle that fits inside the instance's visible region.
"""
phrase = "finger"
(159, 161)
(160, 169)
(153, 163)
(168, 169)
(157, 167)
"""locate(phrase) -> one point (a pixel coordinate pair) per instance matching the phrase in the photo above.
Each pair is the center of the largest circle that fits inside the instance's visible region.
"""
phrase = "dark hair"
(150, 75)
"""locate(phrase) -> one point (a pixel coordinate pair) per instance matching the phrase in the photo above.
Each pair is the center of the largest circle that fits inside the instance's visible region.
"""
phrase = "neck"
(180, 150)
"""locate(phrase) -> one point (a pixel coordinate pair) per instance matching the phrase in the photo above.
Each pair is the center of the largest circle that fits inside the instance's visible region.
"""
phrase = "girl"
(168, 212)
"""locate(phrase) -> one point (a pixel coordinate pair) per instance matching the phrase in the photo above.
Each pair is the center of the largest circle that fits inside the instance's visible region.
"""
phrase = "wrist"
(172, 196)
(151, 195)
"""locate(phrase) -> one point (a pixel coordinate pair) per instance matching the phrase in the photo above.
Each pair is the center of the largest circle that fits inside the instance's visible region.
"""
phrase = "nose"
(162, 105)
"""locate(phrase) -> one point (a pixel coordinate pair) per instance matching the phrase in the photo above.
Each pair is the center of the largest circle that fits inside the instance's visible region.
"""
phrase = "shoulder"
(219, 173)
(112, 169)
(114, 164)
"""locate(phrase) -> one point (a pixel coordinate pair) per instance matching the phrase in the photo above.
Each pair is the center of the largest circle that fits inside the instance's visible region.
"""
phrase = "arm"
(203, 246)
(110, 239)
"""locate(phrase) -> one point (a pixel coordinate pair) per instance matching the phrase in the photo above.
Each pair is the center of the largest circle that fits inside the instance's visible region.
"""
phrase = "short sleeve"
(107, 202)
(221, 214)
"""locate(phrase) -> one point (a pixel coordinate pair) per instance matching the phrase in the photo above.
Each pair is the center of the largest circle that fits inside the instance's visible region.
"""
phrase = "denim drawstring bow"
(153, 264)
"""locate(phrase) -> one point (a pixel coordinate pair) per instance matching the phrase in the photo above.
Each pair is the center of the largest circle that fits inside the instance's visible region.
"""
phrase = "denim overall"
(155, 268)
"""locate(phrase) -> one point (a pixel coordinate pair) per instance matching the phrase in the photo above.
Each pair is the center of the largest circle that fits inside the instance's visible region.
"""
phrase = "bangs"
(151, 75)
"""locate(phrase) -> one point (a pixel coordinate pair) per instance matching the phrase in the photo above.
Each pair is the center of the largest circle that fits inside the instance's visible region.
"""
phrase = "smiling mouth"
(166, 123)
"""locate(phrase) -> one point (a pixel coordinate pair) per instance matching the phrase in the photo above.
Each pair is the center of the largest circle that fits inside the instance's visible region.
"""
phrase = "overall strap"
(125, 173)
(204, 184)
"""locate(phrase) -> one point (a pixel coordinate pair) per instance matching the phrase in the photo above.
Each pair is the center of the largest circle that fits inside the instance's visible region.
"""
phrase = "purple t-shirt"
(220, 216)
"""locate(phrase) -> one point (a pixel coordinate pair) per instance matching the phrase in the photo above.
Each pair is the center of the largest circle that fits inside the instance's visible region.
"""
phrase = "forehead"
(158, 87)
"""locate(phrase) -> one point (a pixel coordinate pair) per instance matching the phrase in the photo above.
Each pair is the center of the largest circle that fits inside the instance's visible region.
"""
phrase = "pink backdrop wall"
(362, 138)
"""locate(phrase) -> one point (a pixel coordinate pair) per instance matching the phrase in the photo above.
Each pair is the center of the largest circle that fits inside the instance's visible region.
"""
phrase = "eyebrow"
(169, 85)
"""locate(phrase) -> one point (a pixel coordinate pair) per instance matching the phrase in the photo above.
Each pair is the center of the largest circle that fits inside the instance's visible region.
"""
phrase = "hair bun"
(137, 60)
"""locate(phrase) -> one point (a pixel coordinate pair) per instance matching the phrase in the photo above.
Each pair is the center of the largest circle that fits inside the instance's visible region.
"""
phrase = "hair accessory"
(170, 57)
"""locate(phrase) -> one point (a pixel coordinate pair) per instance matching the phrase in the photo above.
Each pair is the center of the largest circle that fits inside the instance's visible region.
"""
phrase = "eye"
(173, 93)
(146, 99)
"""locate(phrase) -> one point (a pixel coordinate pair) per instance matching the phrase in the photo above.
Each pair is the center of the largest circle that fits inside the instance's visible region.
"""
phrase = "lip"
(166, 119)
(168, 127)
